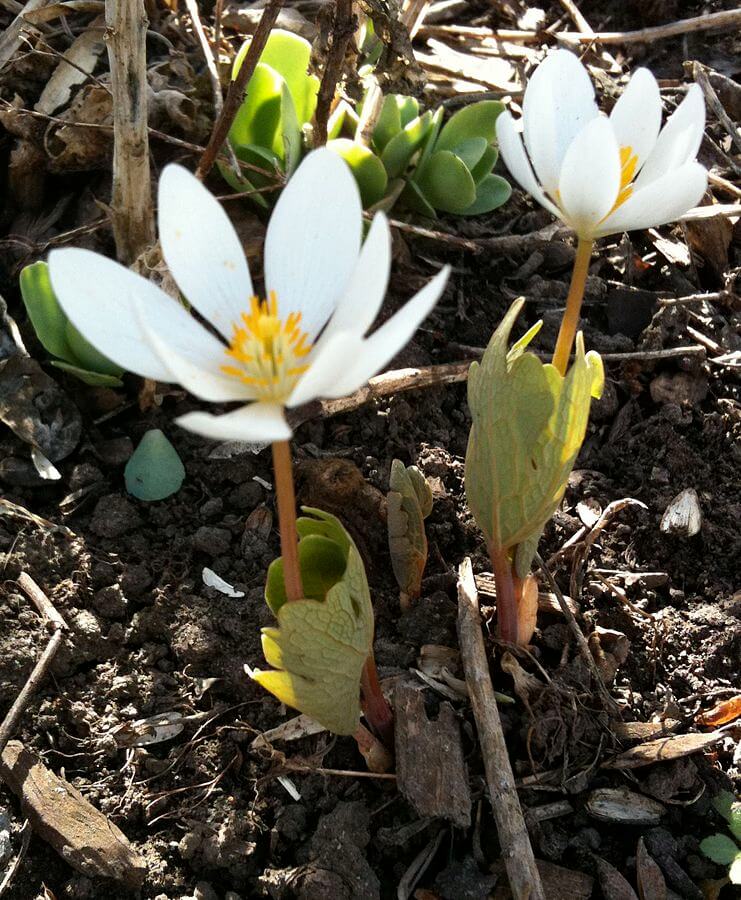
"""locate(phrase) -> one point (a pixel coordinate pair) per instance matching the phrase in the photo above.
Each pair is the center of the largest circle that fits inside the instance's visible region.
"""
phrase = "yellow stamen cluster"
(268, 350)
(628, 163)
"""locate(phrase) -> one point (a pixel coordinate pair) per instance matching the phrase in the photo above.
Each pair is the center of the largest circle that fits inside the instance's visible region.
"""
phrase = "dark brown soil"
(146, 636)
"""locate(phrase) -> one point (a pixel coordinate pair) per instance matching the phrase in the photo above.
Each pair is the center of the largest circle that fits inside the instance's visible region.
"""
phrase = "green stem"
(283, 468)
(570, 321)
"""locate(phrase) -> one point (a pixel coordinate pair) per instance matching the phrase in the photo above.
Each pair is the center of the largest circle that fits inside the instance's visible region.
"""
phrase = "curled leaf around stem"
(529, 423)
(409, 503)
(322, 642)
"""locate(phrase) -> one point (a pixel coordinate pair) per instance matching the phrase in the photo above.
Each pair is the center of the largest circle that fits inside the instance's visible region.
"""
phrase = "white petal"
(255, 423)
(202, 249)
(333, 359)
(679, 139)
(513, 154)
(359, 305)
(662, 201)
(394, 334)
(202, 378)
(558, 103)
(313, 239)
(590, 177)
(100, 298)
(636, 117)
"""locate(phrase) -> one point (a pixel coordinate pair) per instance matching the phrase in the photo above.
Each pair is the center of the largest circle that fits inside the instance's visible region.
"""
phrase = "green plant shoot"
(722, 849)
(322, 642)
(279, 103)
(58, 335)
(528, 426)
(409, 502)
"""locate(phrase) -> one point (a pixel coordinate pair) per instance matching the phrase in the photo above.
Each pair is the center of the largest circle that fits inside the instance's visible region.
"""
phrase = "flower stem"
(286, 497)
(570, 320)
(506, 599)
(376, 709)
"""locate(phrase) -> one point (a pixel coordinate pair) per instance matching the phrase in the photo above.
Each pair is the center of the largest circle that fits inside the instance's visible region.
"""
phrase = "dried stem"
(287, 519)
(342, 31)
(237, 87)
(570, 321)
(131, 201)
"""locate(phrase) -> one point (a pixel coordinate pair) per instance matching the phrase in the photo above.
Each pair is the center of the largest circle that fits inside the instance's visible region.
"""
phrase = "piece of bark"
(547, 601)
(517, 852)
(430, 769)
(558, 883)
(664, 749)
(60, 815)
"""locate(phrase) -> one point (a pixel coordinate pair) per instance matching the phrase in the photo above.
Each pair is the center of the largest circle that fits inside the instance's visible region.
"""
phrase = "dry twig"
(131, 200)
(235, 94)
(58, 626)
(517, 852)
(342, 31)
(581, 641)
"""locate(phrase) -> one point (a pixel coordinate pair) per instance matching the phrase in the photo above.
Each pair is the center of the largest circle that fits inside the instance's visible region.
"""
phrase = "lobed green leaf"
(528, 425)
(320, 645)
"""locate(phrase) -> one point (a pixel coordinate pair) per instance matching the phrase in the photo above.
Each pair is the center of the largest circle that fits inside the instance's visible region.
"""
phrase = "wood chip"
(61, 816)
(664, 749)
(651, 884)
(558, 883)
(612, 882)
(430, 768)
(621, 806)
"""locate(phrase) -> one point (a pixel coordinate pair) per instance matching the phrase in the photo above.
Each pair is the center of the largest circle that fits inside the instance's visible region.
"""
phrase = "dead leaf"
(612, 882)
(152, 730)
(651, 884)
(75, 66)
(525, 683)
(663, 749)
(721, 713)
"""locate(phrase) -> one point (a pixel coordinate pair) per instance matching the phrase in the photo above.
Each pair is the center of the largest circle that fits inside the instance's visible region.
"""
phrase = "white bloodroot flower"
(305, 340)
(598, 174)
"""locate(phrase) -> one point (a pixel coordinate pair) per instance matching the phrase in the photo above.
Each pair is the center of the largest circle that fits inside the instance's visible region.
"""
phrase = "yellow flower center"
(268, 351)
(628, 164)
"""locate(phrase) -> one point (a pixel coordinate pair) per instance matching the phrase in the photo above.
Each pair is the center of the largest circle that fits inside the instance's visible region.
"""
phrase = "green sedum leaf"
(491, 192)
(446, 183)
(720, 848)
(389, 122)
(528, 426)
(470, 152)
(366, 167)
(478, 120)
(155, 470)
(87, 356)
(409, 502)
(290, 56)
(58, 335)
(46, 315)
(258, 120)
(398, 152)
(320, 645)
